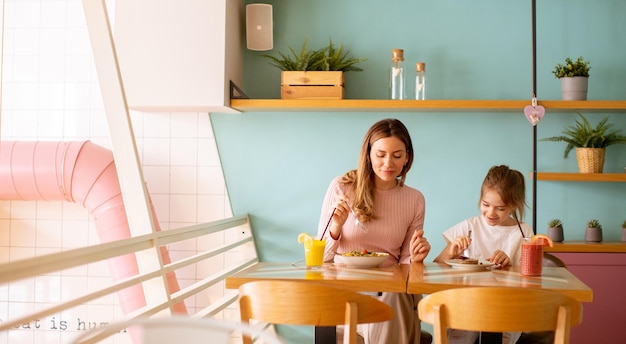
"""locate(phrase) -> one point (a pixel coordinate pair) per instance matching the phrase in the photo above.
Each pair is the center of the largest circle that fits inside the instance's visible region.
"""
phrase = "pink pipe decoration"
(84, 173)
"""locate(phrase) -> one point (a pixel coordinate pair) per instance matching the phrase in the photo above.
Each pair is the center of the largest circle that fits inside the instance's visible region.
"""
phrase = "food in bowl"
(363, 253)
(361, 258)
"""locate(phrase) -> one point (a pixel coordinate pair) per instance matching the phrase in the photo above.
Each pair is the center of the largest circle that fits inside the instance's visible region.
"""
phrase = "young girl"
(390, 219)
(496, 235)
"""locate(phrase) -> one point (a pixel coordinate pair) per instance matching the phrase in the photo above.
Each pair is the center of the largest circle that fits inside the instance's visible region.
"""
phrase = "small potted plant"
(590, 142)
(593, 232)
(574, 76)
(624, 231)
(314, 74)
(555, 230)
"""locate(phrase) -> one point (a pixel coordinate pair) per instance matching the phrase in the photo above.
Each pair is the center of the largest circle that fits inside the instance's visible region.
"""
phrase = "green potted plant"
(624, 231)
(574, 76)
(590, 142)
(304, 60)
(314, 73)
(555, 230)
(593, 232)
(329, 58)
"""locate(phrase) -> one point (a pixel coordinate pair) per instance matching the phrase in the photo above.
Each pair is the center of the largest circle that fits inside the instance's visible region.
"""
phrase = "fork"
(357, 222)
(465, 252)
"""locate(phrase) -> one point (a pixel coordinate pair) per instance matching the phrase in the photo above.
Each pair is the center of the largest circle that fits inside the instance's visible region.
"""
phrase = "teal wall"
(277, 165)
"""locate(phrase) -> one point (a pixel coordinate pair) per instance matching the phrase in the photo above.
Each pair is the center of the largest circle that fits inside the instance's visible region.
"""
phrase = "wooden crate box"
(311, 85)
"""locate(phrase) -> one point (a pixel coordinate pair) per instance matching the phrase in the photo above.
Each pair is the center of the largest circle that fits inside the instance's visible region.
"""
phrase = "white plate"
(361, 262)
(482, 265)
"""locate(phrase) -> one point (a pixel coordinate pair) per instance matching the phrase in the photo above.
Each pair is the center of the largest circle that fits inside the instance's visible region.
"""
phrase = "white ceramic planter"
(574, 88)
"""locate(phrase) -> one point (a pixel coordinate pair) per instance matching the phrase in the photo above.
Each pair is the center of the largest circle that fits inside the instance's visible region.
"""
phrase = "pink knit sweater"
(399, 213)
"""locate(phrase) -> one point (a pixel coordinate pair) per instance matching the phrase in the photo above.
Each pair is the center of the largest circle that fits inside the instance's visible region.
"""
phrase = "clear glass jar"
(396, 77)
(420, 81)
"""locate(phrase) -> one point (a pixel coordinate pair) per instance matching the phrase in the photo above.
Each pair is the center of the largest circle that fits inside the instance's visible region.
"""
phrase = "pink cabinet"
(605, 274)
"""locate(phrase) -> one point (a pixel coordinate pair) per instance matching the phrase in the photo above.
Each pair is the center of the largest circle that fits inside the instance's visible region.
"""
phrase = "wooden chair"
(552, 260)
(309, 303)
(492, 309)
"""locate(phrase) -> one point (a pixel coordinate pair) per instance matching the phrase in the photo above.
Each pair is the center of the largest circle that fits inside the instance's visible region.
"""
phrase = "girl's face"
(493, 209)
(388, 156)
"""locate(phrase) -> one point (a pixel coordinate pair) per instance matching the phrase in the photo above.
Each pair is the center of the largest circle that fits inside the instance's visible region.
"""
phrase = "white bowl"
(361, 262)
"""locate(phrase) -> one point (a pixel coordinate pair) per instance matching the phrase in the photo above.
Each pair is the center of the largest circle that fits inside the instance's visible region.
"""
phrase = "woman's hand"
(339, 217)
(499, 257)
(420, 247)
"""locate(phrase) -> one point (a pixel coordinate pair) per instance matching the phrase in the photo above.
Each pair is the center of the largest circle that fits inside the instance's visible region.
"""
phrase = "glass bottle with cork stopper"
(396, 77)
(420, 81)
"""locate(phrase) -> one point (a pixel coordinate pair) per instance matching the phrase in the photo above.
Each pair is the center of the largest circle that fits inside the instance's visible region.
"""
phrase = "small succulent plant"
(555, 223)
(624, 224)
(595, 223)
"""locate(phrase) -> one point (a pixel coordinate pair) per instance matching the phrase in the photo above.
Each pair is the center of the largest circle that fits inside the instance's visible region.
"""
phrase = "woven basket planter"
(590, 160)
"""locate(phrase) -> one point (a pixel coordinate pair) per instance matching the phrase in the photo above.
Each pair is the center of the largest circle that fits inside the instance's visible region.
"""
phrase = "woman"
(390, 218)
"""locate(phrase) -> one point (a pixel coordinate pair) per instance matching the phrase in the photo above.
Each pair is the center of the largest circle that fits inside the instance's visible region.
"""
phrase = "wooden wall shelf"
(588, 247)
(581, 177)
(370, 105)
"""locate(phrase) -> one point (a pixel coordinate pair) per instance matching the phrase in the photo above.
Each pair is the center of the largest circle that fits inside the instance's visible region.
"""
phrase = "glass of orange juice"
(314, 252)
(532, 257)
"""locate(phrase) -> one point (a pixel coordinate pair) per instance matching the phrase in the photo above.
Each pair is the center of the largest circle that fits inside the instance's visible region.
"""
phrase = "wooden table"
(416, 278)
(388, 279)
(383, 279)
(426, 278)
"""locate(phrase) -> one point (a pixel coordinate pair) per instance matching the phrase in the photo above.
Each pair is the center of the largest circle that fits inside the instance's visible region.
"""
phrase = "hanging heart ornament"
(534, 113)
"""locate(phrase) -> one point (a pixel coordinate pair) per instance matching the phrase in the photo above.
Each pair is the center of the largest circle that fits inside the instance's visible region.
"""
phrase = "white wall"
(50, 92)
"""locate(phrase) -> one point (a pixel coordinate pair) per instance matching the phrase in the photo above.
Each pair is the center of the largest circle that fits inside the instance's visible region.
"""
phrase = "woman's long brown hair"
(362, 179)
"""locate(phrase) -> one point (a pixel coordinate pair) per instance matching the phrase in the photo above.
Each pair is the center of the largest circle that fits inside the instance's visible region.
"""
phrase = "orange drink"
(532, 254)
(314, 252)
(532, 257)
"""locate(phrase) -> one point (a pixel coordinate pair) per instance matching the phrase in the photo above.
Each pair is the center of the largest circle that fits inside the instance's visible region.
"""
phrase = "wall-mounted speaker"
(259, 27)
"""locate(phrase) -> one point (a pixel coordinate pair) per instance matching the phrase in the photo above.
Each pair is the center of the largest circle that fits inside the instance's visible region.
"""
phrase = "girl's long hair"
(509, 184)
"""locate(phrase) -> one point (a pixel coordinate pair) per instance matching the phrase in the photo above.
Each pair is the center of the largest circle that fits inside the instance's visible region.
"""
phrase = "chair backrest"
(166, 330)
(309, 303)
(552, 260)
(492, 309)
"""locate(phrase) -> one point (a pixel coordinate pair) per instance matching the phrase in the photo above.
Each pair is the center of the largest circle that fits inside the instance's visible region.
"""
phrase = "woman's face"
(388, 156)
(493, 209)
